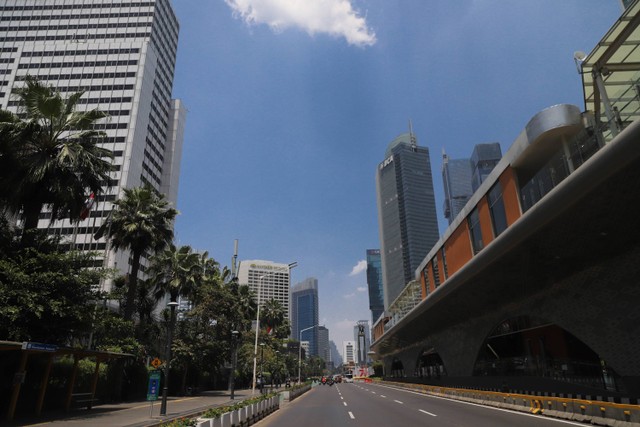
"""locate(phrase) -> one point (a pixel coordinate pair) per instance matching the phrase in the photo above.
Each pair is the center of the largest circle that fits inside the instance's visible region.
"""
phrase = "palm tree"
(272, 314)
(56, 161)
(142, 221)
(177, 272)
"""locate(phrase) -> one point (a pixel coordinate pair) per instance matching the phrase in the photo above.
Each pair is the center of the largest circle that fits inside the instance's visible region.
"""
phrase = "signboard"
(156, 362)
(39, 346)
(154, 385)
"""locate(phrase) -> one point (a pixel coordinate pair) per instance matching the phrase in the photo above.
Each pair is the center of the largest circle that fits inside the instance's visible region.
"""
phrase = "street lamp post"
(261, 367)
(255, 346)
(300, 349)
(234, 361)
(167, 364)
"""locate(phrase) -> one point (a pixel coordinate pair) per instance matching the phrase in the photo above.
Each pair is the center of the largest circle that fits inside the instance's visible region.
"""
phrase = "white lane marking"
(382, 395)
(524, 414)
(344, 403)
(341, 398)
(397, 401)
(373, 392)
(351, 415)
(428, 413)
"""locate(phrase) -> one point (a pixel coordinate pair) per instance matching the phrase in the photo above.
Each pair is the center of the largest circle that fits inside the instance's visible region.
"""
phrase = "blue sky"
(293, 102)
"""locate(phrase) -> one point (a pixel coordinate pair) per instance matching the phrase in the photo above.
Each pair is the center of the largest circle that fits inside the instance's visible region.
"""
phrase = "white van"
(348, 378)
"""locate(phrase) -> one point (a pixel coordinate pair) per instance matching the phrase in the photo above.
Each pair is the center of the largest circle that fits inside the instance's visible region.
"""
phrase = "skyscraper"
(349, 352)
(122, 54)
(304, 312)
(374, 283)
(323, 344)
(483, 159)
(267, 280)
(456, 179)
(406, 212)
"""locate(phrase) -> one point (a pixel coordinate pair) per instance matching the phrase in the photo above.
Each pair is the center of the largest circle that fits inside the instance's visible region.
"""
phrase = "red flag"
(88, 204)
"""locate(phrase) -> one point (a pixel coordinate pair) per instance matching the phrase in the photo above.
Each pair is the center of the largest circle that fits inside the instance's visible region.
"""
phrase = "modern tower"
(323, 344)
(484, 158)
(349, 352)
(304, 312)
(374, 283)
(407, 219)
(456, 179)
(122, 55)
(362, 338)
(267, 280)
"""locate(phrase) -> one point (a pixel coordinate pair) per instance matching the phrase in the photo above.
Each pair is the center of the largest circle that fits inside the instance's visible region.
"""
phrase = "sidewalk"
(133, 414)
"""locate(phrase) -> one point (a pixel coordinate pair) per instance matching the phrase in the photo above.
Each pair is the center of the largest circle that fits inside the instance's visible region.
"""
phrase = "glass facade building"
(485, 157)
(122, 55)
(407, 219)
(374, 283)
(456, 179)
(304, 313)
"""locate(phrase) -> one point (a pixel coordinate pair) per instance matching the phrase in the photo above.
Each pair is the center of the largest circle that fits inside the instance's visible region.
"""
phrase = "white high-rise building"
(267, 280)
(122, 54)
(349, 352)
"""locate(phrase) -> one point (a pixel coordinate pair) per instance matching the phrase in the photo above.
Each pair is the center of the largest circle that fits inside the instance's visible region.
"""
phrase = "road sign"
(154, 385)
(156, 362)
(39, 346)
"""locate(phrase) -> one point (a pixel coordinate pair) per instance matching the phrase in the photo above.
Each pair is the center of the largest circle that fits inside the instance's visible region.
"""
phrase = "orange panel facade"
(510, 195)
(485, 221)
(458, 248)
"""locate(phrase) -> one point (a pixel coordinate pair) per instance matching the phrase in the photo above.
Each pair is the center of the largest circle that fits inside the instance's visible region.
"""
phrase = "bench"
(83, 399)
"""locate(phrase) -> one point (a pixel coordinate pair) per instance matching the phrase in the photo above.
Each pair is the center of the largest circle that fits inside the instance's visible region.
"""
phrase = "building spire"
(412, 137)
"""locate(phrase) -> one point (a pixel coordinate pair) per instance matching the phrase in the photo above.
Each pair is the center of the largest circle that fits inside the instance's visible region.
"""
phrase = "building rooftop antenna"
(412, 137)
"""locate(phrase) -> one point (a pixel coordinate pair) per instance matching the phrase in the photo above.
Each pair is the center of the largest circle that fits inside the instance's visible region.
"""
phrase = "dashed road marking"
(428, 413)
(344, 403)
(351, 415)
(382, 395)
(397, 401)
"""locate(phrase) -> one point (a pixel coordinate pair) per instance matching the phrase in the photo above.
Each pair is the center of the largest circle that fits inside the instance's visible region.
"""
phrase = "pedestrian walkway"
(134, 414)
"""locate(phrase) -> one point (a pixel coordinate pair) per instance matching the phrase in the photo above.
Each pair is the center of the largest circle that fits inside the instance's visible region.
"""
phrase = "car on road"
(348, 378)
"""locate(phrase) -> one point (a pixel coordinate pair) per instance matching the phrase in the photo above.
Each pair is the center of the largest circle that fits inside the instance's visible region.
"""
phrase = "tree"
(142, 221)
(177, 272)
(44, 293)
(50, 155)
(272, 316)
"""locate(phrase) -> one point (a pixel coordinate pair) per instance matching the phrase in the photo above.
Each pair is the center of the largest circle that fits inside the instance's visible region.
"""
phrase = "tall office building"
(462, 177)
(349, 352)
(406, 212)
(483, 159)
(267, 280)
(374, 283)
(456, 179)
(122, 54)
(304, 312)
(336, 358)
(323, 344)
(362, 337)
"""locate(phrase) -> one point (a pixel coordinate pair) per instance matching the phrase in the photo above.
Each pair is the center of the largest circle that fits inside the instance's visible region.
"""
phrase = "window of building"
(496, 209)
(445, 273)
(436, 273)
(425, 276)
(475, 232)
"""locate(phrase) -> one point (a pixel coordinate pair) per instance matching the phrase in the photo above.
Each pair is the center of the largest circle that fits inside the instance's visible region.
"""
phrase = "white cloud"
(334, 17)
(362, 289)
(347, 296)
(359, 268)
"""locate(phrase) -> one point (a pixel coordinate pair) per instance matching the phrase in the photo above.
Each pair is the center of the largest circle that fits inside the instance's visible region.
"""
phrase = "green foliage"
(181, 422)
(44, 292)
(217, 412)
(50, 155)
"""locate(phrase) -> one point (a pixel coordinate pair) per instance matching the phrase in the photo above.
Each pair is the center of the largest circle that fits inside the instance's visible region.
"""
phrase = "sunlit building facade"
(267, 280)
(304, 312)
(122, 55)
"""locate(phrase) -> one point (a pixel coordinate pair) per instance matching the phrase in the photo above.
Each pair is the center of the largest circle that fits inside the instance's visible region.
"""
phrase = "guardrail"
(583, 410)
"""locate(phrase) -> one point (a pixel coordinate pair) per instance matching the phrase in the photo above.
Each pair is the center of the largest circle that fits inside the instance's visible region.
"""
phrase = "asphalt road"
(375, 405)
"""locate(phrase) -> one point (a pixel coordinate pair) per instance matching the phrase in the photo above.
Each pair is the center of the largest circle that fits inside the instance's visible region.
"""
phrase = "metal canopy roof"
(611, 75)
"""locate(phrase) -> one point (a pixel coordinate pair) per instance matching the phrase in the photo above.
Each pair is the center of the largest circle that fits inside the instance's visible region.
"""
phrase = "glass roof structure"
(611, 75)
